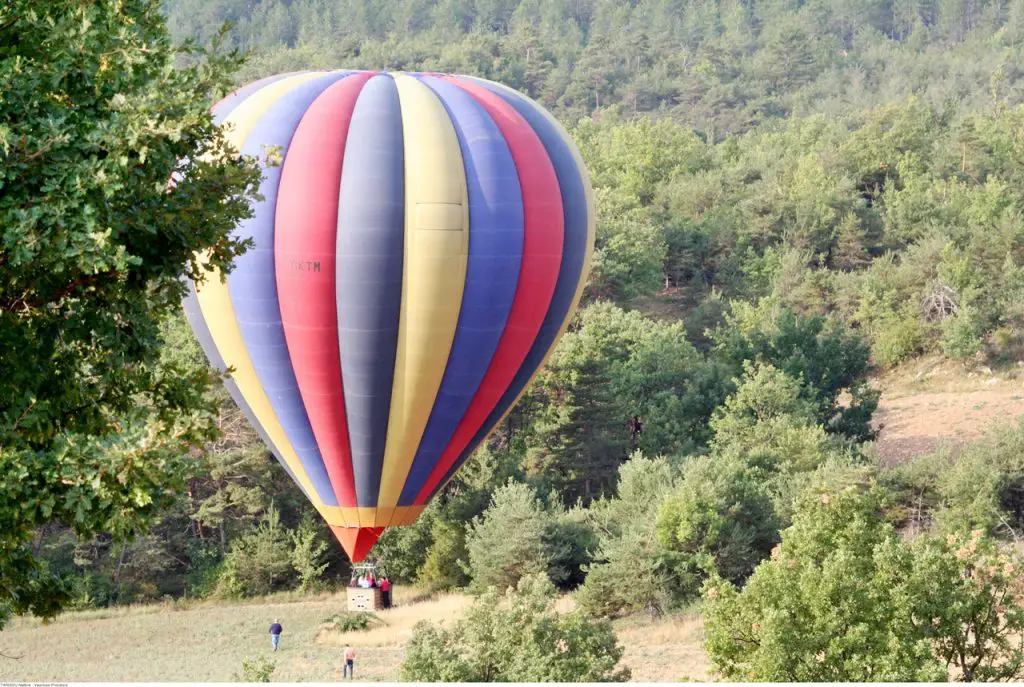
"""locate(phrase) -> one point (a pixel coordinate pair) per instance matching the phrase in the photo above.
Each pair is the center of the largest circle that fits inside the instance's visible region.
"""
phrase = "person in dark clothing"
(275, 634)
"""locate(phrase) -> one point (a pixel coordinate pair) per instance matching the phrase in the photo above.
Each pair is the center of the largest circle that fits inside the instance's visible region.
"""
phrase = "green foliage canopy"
(95, 415)
(518, 637)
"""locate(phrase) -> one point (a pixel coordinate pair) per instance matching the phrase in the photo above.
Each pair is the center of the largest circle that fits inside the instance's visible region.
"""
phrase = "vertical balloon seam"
(194, 314)
(588, 192)
(252, 285)
(202, 334)
(436, 239)
(370, 256)
(579, 245)
(305, 226)
(217, 311)
(557, 140)
(543, 246)
(492, 273)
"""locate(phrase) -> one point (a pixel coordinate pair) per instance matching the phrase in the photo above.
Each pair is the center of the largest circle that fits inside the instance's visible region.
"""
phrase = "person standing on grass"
(385, 591)
(275, 634)
(349, 669)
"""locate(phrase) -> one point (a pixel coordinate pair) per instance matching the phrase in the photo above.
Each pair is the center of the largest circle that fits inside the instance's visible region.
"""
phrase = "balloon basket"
(363, 600)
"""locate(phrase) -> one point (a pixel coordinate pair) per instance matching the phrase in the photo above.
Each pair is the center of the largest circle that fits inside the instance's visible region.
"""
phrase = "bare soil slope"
(929, 402)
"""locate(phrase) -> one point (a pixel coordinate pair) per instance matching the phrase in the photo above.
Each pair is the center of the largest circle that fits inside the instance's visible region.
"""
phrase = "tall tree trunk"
(120, 562)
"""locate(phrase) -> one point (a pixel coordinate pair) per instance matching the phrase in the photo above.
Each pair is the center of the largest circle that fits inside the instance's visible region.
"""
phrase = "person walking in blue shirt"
(275, 634)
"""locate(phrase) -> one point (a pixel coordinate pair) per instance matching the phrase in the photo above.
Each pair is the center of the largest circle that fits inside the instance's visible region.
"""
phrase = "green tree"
(823, 608)
(721, 516)
(516, 638)
(308, 550)
(768, 421)
(444, 566)
(845, 598)
(968, 599)
(823, 353)
(506, 543)
(259, 562)
(94, 121)
(632, 570)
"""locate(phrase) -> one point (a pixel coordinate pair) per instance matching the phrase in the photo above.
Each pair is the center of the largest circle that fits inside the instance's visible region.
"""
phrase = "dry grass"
(207, 642)
(930, 401)
(396, 624)
(665, 650)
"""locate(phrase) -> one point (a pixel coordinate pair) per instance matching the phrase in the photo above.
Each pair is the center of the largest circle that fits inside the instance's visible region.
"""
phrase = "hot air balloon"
(420, 247)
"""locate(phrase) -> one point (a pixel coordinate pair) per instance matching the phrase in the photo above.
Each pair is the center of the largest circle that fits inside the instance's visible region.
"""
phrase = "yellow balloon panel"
(436, 253)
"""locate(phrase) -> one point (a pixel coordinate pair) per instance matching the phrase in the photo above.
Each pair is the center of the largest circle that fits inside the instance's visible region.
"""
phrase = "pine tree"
(582, 438)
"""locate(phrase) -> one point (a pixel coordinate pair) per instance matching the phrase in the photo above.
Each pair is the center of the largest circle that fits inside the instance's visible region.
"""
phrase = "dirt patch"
(930, 405)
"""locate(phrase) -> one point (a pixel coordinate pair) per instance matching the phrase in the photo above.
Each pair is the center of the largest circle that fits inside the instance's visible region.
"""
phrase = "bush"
(204, 568)
(259, 562)
(445, 564)
(898, 338)
(634, 572)
(308, 550)
(824, 608)
(984, 488)
(350, 622)
(570, 543)
(721, 516)
(518, 637)
(828, 358)
(403, 550)
(256, 670)
(961, 336)
(980, 487)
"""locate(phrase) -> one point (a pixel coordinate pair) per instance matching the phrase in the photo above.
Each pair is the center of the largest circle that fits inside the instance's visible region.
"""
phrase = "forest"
(794, 196)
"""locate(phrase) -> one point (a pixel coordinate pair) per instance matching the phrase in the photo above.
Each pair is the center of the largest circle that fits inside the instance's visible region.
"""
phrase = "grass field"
(208, 642)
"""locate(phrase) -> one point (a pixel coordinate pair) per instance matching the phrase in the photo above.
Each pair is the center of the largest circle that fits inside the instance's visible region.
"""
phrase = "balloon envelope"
(422, 243)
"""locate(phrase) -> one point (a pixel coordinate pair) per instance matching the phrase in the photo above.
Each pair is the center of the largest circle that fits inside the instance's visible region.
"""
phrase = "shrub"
(962, 337)
(898, 338)
(350, 622)
(518, 637)
(570, 543)
(259, 562)
(256, 670)
(403, 550)
(828, 358)
(721, 515)
(445, 564)
(823, 608)
(632, 570)
(308, 550)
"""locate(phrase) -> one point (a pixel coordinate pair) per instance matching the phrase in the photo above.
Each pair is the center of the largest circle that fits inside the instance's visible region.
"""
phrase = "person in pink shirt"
(349, 669)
